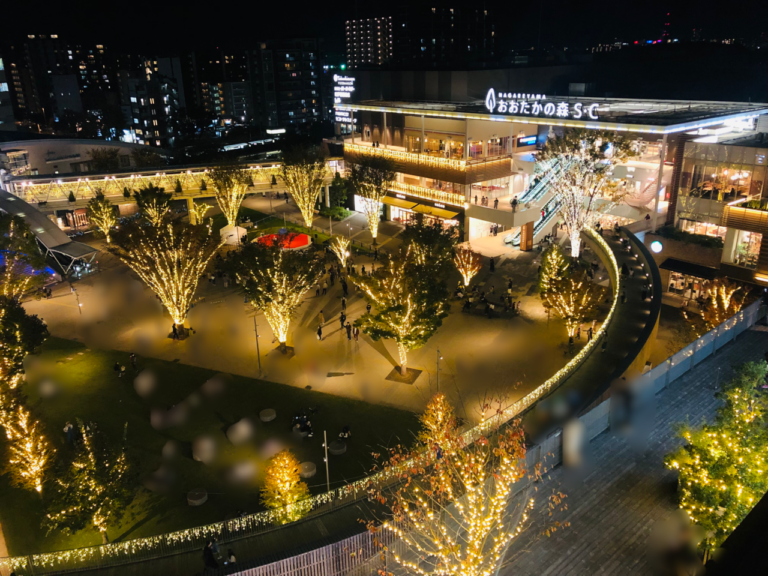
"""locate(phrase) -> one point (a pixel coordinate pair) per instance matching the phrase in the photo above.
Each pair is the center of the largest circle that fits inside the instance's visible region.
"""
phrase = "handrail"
(191, 539)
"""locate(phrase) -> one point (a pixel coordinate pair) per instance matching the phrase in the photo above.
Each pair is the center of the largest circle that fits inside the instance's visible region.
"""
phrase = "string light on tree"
(101, 213)
(554, 267)
(303, 172)
(468, 263)
(30, 454)
(339, 245)
(283, 488)
(153, 203)
(371, 178)
(197, 212)
(725, 299)
(170, 260)
(573, 299)
(230, 184)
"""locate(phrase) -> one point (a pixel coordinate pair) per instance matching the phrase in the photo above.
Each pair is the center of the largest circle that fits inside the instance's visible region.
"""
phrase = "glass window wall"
(746, 249)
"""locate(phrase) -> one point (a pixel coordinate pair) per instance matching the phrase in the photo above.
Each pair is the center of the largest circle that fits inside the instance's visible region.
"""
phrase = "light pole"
(349, 231)
(256, 331)
(438, 369)
(327, 473)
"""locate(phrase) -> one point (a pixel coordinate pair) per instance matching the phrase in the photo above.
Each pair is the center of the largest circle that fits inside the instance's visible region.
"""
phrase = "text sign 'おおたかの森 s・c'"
(505, 103)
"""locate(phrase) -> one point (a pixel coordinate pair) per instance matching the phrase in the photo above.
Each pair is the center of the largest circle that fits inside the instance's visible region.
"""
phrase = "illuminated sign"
(439, 205)
(275, 130)
(343, 87)
(526, 141)
(400, 196)
(506, 103)
(344, 116)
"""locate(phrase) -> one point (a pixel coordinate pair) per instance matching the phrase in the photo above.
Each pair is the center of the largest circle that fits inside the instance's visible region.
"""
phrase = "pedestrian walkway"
(613, 510)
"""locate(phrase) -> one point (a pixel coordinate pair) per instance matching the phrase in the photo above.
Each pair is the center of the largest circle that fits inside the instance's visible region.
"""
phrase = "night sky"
(168, 27)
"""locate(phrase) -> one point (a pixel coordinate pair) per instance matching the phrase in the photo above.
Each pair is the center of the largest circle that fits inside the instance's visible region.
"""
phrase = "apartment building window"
(151, 100)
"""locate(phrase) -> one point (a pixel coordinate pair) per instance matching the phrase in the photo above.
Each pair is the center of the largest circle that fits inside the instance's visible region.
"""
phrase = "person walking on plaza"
(345, 288)
(325, 287)
(317, 292)
(368, 308)
(578, 332)
(496, 203)
(343, 304)
(589, 334)
(320, 332)
(175, 331)
(356, 333)
(69, 430)
(322, 318)
(375, 254)
(349, 331)
(342, 319)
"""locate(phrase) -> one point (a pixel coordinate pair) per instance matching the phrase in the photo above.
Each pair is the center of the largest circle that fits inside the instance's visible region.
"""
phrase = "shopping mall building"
(699, 164)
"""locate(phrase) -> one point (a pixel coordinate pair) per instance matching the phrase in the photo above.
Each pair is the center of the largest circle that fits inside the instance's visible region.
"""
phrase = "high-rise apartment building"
(7, 121)
(151, 108)
(369, 41)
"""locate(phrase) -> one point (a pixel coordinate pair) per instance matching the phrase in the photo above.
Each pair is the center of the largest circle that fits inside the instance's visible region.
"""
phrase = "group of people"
(302, 424)
(485, 201)
(212, 555)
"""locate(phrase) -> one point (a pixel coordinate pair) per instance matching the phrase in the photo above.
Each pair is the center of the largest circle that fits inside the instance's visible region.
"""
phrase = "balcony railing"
(409, 157)
(428, 193)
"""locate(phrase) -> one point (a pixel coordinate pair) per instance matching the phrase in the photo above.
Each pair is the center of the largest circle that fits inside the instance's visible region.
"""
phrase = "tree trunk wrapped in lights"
(340, 246)
(725, 299)
(583, 187)
(275, 280)
(370, 179)
(24, 263)
(169, 259)
(97, 487)
(153, 203)
(30, 454)
(20, 334)
(303, 172)
(554, 267)
(573, 299)
(230, 184)
(283, 490)
(410, 300)
(454, 512)
(468, 263)
(197, 212)
(722, 465)
(101, 213)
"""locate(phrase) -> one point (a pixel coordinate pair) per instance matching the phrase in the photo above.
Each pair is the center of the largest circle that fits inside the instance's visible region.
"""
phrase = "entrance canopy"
(437, 212)
(398, 203)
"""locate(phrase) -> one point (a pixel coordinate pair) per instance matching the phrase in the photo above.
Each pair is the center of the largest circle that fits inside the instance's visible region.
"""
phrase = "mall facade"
(474, 163)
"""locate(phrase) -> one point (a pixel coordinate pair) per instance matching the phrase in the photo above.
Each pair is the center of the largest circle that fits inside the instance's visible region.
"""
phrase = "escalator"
(540, 225)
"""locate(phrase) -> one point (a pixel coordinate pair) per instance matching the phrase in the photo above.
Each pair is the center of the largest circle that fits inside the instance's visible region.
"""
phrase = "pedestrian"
(69, 430)
(623, 296)
(578, 332)
(342, 319)
(363, 270)
(133, 361)
(496, 203)
(317, 292)
(368, 308)
(325, 287)
(320, 332)
(332, 277)
(345, 288)
(519, 304)
(175, 331)
(493, 265)
(475, 198)
(343, 304)
(349, 331)
(208, 558)
(356, 333)
(231, 556)
(322, 318)
(589, 335)
(375, 254)
(353, 271)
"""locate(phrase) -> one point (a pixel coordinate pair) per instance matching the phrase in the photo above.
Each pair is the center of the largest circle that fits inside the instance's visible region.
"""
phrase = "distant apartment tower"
(369, 41)
(213, 99)
(151, 108)
(7, 121)
(238, 101)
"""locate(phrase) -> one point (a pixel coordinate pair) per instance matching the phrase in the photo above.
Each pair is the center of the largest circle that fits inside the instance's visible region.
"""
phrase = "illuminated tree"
(20, 334)
(573, 299)
(30, 454)
(468, 263)
(410, 299)
(153, 203)
(583, 187)
(454, 513)
(230, 184)
(197, 212)
(169, 259)
(340, 246)
(275, 280)
(96, 487)
(438, 423)
(722, 466)
(303, 172)
(283, 489)
(23, 265)
(724, 300)
(554, 267)
(101, 213)
(431, 244)
(370, 179)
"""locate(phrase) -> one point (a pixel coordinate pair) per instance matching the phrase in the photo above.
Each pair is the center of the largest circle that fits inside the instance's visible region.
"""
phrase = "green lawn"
(89, 389)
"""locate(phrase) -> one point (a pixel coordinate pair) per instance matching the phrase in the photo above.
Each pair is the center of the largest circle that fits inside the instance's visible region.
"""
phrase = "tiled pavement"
(612, 511)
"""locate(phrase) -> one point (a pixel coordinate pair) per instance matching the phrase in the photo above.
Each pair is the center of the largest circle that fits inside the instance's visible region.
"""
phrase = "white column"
(654, 220)
(385, 129)
(352, 117)
(466, 139)
(327, 196)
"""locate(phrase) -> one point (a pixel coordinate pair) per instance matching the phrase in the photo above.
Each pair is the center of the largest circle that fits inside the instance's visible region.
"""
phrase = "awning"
(437, 212)
(690, 269)
(398, 202)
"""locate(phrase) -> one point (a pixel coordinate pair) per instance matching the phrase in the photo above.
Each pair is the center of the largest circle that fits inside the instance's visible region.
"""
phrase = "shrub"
(673, 233)
(336, 212)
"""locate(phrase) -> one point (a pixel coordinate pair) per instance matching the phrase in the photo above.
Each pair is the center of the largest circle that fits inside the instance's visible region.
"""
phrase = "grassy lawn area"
(88, 388)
